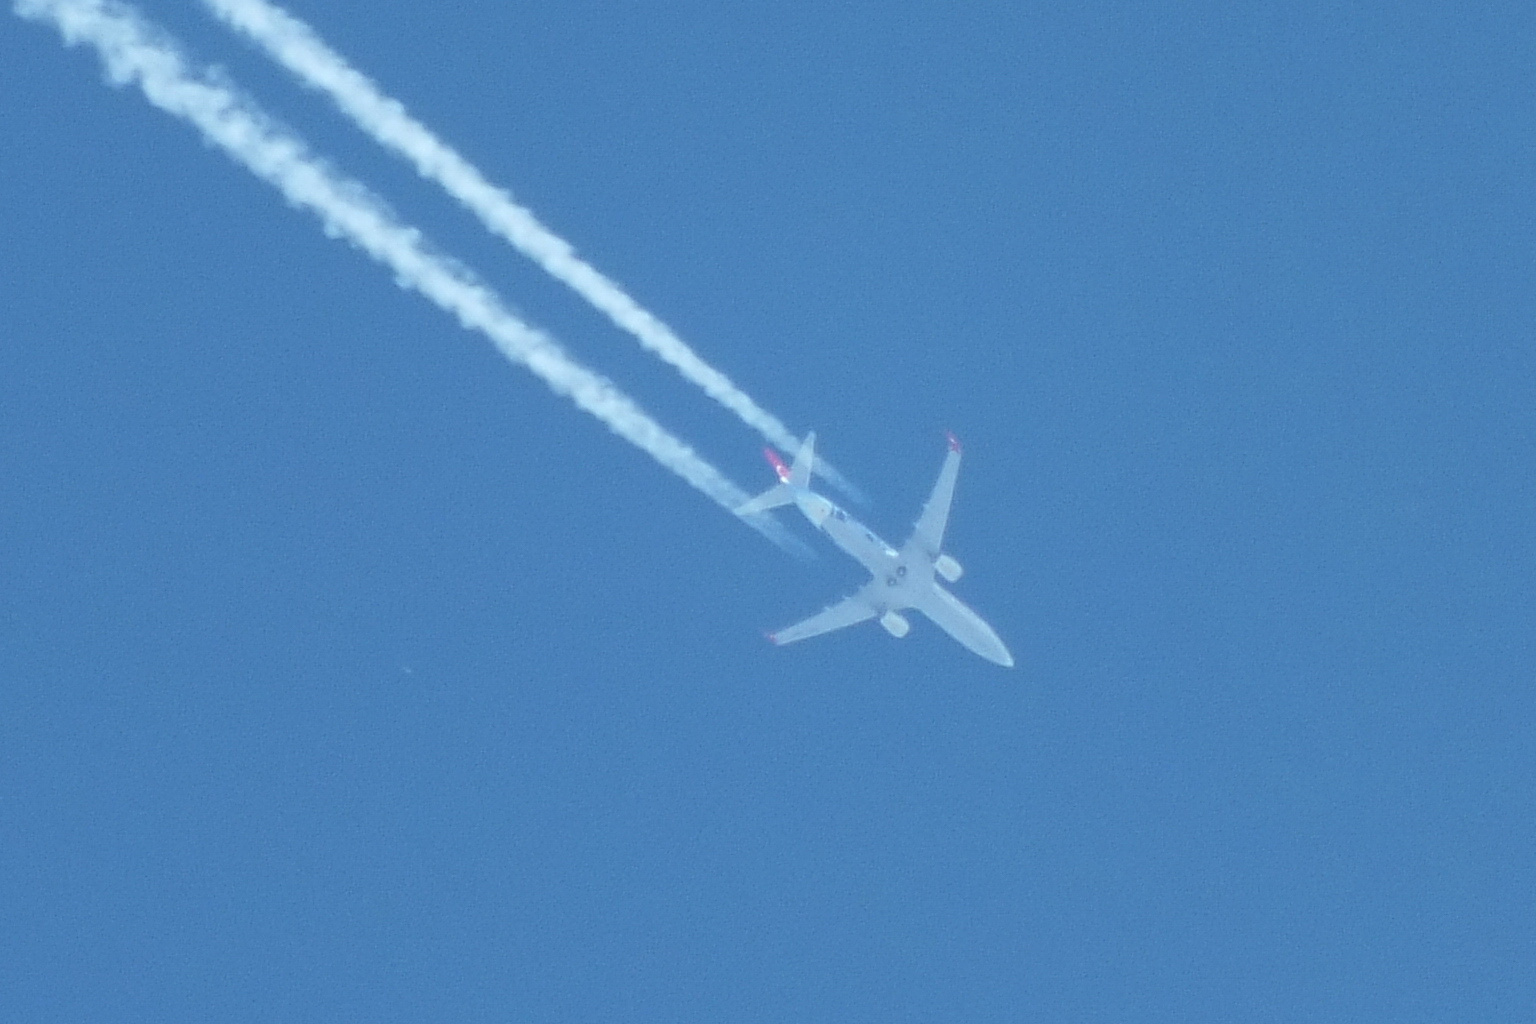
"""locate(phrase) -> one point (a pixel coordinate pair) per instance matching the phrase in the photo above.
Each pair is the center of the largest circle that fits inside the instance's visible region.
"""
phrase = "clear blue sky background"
(348, 675)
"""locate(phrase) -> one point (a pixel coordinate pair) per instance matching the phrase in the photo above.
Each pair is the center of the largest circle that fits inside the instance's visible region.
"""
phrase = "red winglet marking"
(777, 463)
(773, 639)
(954, 442)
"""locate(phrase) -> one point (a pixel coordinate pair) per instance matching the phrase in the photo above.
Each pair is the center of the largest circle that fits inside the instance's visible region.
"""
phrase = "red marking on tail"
(954, 442)
(777, 463)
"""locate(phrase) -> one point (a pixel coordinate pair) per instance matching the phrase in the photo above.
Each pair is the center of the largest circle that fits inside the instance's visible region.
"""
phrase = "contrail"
(134, 52)
(297, 47)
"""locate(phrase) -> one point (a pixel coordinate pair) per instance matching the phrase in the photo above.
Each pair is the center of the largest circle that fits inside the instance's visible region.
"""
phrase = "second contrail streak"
(297, 47)
(134, 52)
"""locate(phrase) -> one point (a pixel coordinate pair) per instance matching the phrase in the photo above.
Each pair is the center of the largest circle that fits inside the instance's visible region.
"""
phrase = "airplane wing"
(849, 611)
(928, 534)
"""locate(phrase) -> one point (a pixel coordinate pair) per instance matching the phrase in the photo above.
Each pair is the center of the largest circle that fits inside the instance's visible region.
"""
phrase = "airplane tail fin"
(796, 477)
(773, 497)
(800, 472)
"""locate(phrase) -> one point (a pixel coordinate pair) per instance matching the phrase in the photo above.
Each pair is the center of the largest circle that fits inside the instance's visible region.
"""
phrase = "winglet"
(954, 442)
(777, 463)
(772, 638)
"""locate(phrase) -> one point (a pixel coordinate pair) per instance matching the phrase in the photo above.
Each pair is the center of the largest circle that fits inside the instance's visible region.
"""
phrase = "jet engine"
(946, 566)
(896, 625)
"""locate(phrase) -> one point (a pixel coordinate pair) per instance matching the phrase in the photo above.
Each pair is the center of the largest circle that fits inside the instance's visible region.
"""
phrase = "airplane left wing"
(928, 534)
(850, 611)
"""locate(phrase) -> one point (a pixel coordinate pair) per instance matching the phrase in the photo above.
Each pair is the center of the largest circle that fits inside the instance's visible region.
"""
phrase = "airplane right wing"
(928, 534)
(850, 611)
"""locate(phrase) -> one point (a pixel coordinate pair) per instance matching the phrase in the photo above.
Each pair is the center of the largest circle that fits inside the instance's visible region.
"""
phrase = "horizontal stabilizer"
(805, 458)
(773, 497)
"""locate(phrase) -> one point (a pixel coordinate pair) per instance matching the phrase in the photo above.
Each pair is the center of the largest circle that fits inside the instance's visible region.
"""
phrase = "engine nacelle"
(946, 566)
(896, 625)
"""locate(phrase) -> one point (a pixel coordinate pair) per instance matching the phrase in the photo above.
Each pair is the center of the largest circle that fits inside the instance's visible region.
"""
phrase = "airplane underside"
(901, 580)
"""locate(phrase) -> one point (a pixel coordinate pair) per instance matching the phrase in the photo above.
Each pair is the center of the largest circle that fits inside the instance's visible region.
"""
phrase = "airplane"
(902, 579)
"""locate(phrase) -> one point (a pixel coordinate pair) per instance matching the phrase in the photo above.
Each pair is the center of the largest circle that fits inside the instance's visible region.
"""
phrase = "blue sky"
(348, 674)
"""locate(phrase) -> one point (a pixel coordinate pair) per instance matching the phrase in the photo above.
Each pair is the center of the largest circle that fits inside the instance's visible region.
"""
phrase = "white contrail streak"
(135, 52)
(297, 47)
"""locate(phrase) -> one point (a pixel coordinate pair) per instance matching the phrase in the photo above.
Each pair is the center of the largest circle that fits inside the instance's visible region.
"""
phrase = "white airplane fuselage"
(903, 582)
